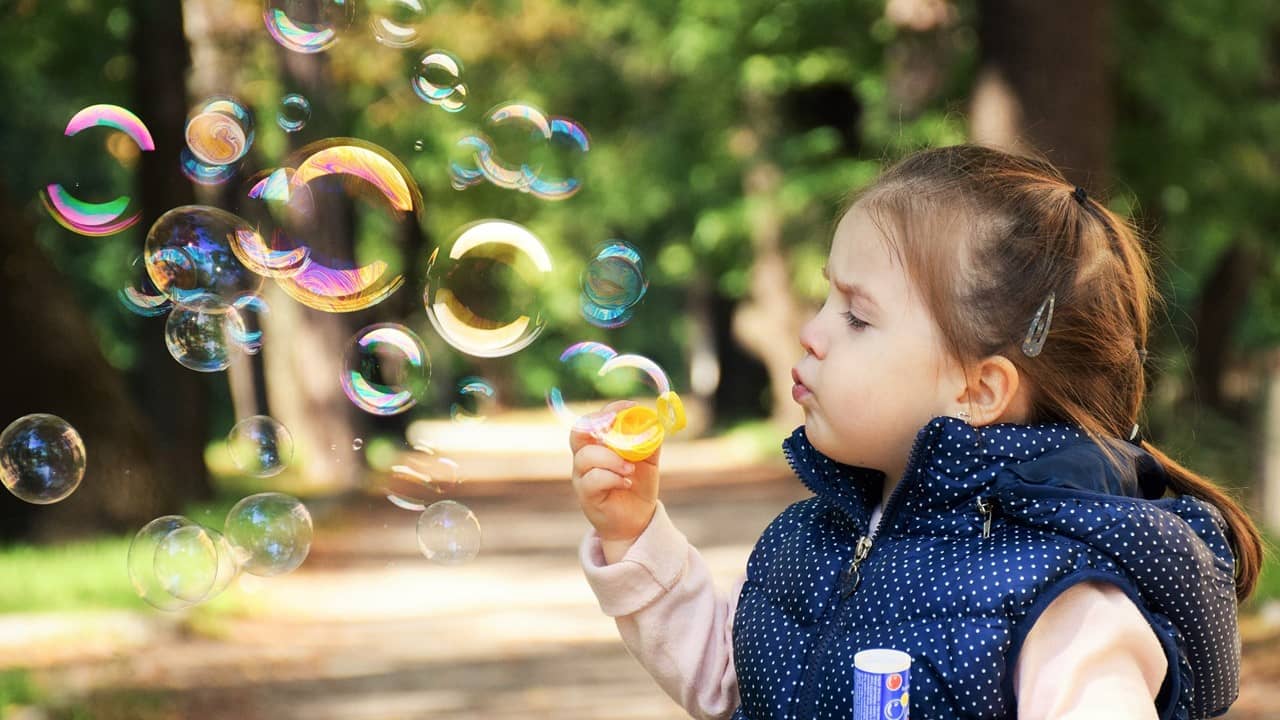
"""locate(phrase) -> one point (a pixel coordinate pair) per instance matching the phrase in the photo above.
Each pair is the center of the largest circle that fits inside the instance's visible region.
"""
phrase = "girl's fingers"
(599, 456)
(598, 480)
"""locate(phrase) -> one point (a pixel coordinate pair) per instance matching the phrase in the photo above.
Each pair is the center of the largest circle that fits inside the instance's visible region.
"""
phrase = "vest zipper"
(851, 577)
(986, 510)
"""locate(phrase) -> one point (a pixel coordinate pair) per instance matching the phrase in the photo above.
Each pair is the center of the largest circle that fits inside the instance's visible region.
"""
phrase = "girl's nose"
(811, 338)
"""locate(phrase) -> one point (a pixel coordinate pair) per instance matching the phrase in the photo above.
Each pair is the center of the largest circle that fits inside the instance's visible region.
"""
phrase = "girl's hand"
(618, 497)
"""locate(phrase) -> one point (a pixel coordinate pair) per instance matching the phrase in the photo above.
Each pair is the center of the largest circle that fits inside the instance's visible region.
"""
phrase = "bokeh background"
(723, 137)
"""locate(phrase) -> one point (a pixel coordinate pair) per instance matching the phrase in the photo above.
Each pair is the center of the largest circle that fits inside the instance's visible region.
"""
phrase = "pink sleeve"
(669, 615)
(1091, 655)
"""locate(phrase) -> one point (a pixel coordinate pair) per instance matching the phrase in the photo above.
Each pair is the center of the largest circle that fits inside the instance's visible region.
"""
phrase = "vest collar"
(951, 462)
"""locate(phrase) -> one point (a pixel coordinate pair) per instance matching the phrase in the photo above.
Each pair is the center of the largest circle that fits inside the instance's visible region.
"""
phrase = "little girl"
(981, 498)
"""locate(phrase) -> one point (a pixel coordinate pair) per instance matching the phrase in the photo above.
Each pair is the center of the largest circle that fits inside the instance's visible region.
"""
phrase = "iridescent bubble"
(246, 328)
(607, 375)
(219, 131)
(612, 283)
(42, 458)
(473, 401)
(485, 297)
(559, 164)
(417, 475)
(260, 445)
(295, 111)
(200, 334)
(189, 253)
(449, 533)
(186, 563)
(397, 23)
(276, 255)
(141, 296)
(307, 26)
(438, 81)
(515, 132)
(97, 219)
(271, 533)
(344, 166)
(581, 361)
(142, 562)
(203, 173)
(464, 170)
(386, 369)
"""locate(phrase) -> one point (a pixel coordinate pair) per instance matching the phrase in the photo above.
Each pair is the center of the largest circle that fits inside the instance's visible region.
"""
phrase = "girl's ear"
(995, 393)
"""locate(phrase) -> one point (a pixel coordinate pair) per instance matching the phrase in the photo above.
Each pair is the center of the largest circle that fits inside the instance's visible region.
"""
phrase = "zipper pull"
(852, 577)
(987, 511)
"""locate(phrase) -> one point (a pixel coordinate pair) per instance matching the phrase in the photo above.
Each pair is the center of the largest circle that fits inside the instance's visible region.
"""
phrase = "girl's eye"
(853, 321)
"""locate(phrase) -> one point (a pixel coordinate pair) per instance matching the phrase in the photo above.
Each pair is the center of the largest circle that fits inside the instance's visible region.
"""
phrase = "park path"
(367, 629)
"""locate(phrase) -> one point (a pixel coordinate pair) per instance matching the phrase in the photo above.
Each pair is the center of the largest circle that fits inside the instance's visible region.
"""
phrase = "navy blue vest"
(986, 528)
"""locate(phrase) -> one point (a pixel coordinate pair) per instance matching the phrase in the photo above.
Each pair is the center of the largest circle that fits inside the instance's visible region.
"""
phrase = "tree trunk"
(1215, 317)
(1042, 84)
(55, 365)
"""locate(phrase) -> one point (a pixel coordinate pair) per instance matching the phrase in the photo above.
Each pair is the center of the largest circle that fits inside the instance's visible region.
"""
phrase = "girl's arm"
(1090, 656)
(660, 593)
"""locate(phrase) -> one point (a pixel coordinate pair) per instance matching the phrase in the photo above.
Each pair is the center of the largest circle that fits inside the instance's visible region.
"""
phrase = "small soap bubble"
(189, 253)
(142, 562)
(357, 444)
(307, 26)
(386, 369)
(485, 297)
(271, 533)
(260, 445)
(186, 563)
(200, 334)
(449, 533)
(418, 145)
(473, 401)
(42, 458)
(612, 284)
(417, 475)
(203, 173)
(295, 111)
(219, 131)
(438, 81)
(141, 297)
(397, 23)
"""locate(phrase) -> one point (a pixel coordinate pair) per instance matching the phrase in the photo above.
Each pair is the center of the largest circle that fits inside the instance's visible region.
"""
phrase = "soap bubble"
(246, 334)
(396, 23)
(271, 533)
(612, 283)
(295, 111)
(141, 296)
(260, 445)
(560, 161)
(42, 458)
(484, 297)
(202, 332)
(417, 475)
(386, 369)
(449, 533)
(198, 171)
(219, 131)
(522, 149)
(464, 169)
(142, 562)
(186, 563)
(438, 80)
(598, 372)
(97, 219)
(279, 256)
(343, 167)
(189, 253)
(515, 133)
(307, 26)
(473, 401)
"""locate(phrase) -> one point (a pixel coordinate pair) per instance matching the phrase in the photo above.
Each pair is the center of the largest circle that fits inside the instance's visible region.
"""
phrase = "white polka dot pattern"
(986, 528)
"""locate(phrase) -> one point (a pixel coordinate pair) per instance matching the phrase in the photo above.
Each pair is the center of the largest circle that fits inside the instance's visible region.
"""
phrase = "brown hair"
(1011, 231)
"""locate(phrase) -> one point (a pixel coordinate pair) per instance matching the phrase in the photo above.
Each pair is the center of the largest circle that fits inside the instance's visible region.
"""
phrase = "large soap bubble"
(386, 369)
(449, 533)
(307, 26)
(42, 458)
(260, 445)
(142, 562)
(98, 219)
(271, 533)
(485, 297)
(201, 334)
(189, 254)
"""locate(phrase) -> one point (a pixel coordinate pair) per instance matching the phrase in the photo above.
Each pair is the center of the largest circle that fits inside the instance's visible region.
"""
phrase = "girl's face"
(872, 374)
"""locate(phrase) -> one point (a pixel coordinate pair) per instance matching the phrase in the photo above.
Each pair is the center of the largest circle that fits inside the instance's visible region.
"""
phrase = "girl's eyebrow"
(850, 289)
